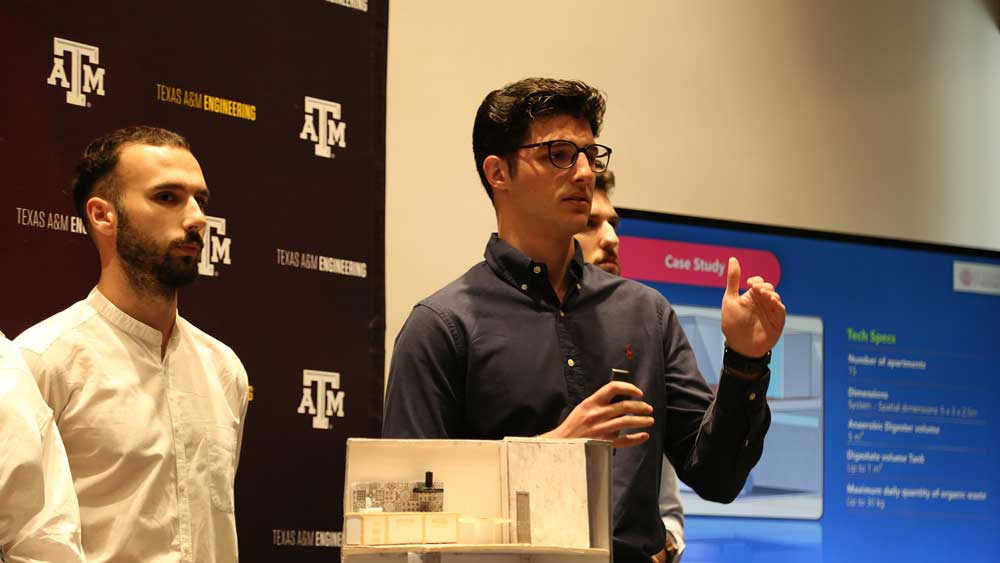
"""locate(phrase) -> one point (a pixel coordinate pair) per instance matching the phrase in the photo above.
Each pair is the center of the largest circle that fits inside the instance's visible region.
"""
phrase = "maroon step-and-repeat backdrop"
(284, 104)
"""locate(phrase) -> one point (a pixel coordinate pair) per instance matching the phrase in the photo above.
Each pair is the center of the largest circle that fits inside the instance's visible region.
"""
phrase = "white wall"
(877, 117)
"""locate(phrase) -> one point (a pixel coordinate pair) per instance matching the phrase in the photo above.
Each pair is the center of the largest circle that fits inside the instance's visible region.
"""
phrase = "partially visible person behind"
(151, 409)
(599, 244)
(39, 518)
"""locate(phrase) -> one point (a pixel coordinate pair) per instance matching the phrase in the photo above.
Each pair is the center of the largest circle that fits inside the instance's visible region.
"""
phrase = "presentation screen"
(883, 440)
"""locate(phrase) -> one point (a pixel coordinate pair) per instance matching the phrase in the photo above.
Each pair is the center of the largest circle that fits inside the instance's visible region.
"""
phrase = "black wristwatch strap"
(744, 364)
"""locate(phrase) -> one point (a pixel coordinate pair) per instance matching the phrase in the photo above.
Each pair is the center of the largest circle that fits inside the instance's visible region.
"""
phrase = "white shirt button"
(537, 269)
(524, 287)
(570, 362)
(752, 396)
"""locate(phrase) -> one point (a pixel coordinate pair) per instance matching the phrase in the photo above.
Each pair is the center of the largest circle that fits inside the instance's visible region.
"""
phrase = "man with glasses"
(599, 244)
(524, 343)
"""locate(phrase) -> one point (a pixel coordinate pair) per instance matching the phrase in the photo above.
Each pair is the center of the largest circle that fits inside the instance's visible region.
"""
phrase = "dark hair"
(101, 156)
(605, 181)
(505, 116)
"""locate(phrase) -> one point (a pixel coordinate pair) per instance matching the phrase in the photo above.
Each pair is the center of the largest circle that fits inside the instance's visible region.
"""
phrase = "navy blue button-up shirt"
(496, 354)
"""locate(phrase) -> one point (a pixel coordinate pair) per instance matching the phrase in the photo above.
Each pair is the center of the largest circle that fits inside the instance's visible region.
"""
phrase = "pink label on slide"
(693, 264)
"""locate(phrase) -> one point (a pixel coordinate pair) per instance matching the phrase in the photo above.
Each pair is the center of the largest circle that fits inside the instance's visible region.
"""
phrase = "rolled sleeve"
(713, 443)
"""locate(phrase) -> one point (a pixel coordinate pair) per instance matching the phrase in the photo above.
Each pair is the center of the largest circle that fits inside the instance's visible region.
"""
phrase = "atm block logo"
(323, 125)
(75, 68)
(321, 397)
(217, 247)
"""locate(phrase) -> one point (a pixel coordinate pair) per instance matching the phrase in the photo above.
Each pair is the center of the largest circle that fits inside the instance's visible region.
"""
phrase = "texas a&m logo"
(83, 77)
(329, 400)
(216, 248)
(323, 126)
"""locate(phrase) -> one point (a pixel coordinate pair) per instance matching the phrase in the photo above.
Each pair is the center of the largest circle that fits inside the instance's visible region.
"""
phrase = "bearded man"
(150, 408)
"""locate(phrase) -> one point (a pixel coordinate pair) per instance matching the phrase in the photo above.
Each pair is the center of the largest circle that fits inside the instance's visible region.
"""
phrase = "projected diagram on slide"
(788, 480)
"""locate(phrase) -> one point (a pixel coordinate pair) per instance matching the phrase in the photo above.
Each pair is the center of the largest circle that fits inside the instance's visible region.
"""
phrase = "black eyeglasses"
(563, 154)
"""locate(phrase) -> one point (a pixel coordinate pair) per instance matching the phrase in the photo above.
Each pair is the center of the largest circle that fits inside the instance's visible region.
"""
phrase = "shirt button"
(524, 287)
(562, 314)
(752, 396)
(746, 444)
(570, 362)
(578, 287)
(537, 269)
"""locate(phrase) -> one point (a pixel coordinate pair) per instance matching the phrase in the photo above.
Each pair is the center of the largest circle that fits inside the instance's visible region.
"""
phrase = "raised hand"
(752, 322)
(597, 417)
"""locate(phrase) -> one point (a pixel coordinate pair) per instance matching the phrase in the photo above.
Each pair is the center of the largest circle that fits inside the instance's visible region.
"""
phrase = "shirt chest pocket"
(221, 466)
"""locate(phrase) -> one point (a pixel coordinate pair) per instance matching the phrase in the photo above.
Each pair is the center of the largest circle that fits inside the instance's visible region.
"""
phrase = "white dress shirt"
(39, 518)
(153, 443)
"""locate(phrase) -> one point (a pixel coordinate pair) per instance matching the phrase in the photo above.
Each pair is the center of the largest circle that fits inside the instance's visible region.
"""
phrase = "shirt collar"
(123, 321)
(517, 268)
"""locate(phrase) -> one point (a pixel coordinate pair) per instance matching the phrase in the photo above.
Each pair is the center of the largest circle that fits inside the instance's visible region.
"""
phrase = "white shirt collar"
(125, 322)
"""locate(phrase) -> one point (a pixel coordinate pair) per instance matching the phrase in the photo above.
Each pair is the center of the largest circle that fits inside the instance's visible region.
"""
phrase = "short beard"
(148, 269)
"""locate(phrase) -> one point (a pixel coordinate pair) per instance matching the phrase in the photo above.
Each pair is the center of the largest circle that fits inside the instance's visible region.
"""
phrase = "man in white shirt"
(39, 518)
(150, 408)
(599, 244)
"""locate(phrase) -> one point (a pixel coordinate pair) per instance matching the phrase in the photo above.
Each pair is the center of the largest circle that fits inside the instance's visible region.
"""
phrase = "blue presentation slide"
(883, 442)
